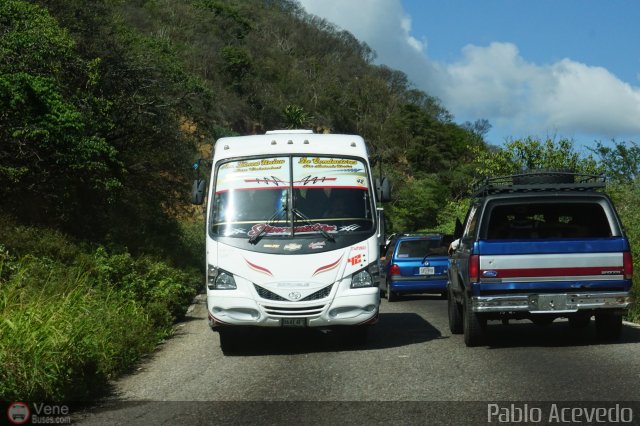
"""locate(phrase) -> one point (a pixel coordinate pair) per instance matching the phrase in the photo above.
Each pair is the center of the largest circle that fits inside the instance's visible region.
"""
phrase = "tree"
(416, 204)
(479, 127)
(52, 156)
(528, 154)
(295, 117)
(621, 162)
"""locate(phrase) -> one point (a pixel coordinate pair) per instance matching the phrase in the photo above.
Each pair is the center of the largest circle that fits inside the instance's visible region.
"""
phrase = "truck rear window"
(421, 248)
(548, 220)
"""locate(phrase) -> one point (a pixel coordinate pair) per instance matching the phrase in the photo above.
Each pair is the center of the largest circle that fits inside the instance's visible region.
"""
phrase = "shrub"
(60, 337)
(165, 291)
(626, 197)
(71, 319)
(23, 240)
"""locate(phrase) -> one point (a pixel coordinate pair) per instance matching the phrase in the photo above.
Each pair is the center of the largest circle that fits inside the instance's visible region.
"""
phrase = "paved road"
(412, 371)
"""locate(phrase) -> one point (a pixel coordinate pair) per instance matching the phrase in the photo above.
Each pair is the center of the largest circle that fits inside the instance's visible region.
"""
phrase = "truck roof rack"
(539, 181)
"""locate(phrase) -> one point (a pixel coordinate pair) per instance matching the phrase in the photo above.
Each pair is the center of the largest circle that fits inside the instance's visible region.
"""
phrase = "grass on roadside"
(62, 338)
(70, 323)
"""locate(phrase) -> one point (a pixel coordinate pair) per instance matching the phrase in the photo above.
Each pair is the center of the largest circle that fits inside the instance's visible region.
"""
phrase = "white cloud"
(382, 24)
(591, 99)
(492, 80)
(495, 82)
(405, 24)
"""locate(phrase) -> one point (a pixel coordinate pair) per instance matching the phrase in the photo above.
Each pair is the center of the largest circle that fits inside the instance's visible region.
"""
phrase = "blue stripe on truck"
(592, 245)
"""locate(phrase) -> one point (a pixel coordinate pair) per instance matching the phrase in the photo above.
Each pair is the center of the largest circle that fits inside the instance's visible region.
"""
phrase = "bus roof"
(290, 142)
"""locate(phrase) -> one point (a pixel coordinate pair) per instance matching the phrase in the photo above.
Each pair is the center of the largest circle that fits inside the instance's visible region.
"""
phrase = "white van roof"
(290, 142)
(289, 131)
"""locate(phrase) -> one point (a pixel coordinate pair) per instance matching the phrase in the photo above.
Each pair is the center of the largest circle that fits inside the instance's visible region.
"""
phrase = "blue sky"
(542, 68)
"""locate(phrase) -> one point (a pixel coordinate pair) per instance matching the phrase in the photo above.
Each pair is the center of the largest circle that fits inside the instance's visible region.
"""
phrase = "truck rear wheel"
(608, 326)
(579, 321)
(455, 314)
(474, 326)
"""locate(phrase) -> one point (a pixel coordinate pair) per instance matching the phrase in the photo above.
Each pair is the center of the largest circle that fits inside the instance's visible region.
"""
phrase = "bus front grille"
(269, 295)
(307, 311)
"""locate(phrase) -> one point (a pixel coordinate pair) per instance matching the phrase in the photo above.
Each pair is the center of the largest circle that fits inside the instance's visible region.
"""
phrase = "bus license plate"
(427, 270)
(294, 322)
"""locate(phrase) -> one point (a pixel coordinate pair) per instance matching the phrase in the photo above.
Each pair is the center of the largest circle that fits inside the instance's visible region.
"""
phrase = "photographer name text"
(557, 413)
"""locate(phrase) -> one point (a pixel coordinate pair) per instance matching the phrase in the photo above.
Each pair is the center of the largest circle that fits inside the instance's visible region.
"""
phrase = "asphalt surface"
(411, 371)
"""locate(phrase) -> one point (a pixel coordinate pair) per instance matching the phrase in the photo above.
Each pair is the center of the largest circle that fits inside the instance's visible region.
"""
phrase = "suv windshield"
(291, 195)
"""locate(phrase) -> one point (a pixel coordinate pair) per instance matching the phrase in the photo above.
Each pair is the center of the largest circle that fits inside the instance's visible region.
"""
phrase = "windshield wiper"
(429, 255)
(316, 226)
(254, 238)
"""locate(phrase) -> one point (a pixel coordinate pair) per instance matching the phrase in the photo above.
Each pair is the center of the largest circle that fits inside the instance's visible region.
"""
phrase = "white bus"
(292, 233)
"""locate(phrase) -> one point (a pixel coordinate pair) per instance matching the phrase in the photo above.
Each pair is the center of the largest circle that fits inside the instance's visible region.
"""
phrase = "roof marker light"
(273, 142)
(226, 147)
(306, 142)
(353, 144)
(290, 142)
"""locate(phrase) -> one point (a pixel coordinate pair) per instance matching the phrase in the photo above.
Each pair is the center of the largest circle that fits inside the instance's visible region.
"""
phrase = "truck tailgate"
(552, 265)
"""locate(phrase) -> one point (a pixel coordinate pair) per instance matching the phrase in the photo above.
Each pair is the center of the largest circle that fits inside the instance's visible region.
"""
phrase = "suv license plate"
(294, 322)
(427, 270)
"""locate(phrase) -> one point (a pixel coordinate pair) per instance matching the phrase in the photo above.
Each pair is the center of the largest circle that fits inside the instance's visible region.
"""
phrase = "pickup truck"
(539, 246)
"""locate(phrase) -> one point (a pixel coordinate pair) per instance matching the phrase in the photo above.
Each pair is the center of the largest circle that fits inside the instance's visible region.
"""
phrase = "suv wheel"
(608, 326)
(391, 296)
(455, 314)
(473, 325)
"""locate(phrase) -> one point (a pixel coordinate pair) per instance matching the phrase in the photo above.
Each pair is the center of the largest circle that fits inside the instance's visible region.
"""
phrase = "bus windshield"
(291, 196)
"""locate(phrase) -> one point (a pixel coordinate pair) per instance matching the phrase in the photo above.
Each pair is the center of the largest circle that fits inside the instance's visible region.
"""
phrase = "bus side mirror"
(383, 189)
(197, 191)
(382, 225)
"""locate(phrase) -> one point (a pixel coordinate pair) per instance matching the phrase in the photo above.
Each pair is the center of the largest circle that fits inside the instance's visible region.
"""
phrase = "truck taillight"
(394, 270)
(627, 262)
(474, 268)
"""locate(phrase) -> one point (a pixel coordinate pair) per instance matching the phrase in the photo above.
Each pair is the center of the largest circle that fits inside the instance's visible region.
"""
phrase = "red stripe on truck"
(551, 272)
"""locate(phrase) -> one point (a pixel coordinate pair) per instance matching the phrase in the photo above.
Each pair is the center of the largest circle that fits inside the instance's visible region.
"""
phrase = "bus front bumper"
(354, 309)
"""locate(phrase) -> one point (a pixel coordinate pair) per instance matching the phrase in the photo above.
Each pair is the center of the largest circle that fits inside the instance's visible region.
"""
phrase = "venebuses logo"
(18, 413)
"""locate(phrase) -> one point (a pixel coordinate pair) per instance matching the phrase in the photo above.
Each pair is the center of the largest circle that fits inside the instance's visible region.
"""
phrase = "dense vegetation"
(104, 105)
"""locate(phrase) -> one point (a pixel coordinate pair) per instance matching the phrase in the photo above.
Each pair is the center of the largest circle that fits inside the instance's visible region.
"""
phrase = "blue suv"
(540, 245)
(415, 264)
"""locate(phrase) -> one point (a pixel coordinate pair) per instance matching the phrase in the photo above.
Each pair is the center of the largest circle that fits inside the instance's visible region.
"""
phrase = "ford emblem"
(490, 274)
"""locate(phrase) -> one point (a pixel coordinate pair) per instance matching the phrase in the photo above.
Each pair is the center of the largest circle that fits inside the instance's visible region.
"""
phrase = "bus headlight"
(361, 279)
(218, 279)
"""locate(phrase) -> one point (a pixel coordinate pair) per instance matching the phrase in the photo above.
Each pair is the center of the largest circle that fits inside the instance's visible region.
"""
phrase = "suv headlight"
(218, 279)
(361, 279)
